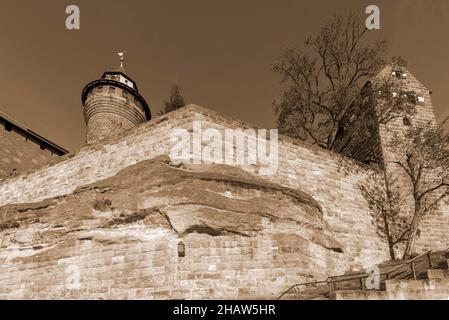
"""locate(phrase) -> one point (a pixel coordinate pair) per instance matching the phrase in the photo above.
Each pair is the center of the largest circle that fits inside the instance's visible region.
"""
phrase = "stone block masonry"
(131, 252)
(243, 237)
(311, 170)
(21, 149)
(19, 155)
(433, 226)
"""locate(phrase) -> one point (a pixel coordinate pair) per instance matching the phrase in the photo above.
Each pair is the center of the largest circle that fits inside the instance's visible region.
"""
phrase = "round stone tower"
(112, 104)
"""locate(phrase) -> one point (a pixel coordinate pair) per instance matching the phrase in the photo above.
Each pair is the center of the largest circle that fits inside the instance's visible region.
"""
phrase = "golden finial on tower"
(122, 58)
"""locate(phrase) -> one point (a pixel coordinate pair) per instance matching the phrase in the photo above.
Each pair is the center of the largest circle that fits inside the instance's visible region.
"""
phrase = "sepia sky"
(220, 52)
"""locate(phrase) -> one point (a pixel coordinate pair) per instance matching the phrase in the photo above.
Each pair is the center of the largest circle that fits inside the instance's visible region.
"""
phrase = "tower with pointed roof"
(113, 104)
(423, 114)
(376, 147)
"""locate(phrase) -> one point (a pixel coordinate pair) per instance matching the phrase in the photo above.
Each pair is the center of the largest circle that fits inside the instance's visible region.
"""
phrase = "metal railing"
(414, 268)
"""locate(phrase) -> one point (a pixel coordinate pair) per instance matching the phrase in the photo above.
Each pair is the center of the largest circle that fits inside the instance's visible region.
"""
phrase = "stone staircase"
(435, 286)
(421, 278)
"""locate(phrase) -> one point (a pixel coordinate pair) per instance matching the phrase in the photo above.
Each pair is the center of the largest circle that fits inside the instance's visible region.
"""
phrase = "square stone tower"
(417, 94)
(377, 147)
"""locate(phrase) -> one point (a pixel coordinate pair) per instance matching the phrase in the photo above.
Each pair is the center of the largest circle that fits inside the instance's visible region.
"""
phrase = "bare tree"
(384, 201)
(324, 83)
(425, 162)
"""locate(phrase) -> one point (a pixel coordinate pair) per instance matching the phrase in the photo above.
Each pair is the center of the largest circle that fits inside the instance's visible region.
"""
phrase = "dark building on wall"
(22, 149)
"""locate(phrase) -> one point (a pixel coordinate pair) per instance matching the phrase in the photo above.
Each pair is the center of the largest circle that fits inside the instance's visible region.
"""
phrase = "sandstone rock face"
(244, 237)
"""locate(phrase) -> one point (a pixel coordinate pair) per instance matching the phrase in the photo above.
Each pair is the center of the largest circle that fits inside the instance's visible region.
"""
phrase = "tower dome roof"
(119, 78)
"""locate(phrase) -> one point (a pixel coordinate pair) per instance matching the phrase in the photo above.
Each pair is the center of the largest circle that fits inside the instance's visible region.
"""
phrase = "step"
(438, 274)
(431, 294)
(416, 285)
(436, 294)
(399, 284)
(359, 295)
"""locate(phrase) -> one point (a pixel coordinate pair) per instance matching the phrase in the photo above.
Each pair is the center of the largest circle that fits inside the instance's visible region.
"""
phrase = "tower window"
(112, 77)
(406, 121)
(125, 94)
(421, 100)
(412, 97)
(399, 74)
(111, 90)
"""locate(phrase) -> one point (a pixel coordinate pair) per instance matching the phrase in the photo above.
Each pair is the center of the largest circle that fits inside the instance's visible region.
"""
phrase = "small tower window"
(125, 94)
(412, 97)
(181, 249)
(111, 90)
(399, 74)
(112, 77)
(406, 121)
(421, 100)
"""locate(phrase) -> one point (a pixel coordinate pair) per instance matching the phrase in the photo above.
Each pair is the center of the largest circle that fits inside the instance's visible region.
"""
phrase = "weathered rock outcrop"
(216, 200)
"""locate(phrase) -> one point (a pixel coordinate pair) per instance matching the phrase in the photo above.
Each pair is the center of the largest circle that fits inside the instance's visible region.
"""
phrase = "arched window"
(407, 122)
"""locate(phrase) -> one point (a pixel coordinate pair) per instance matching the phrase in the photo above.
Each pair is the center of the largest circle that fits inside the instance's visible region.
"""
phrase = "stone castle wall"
(244, 238)
(217, 264)
(311, 170)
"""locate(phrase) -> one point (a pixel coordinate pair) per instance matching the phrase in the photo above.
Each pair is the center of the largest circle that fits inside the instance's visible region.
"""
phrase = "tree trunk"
(392, 254)
(408, 245)
(413, 230)
(387, 226)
